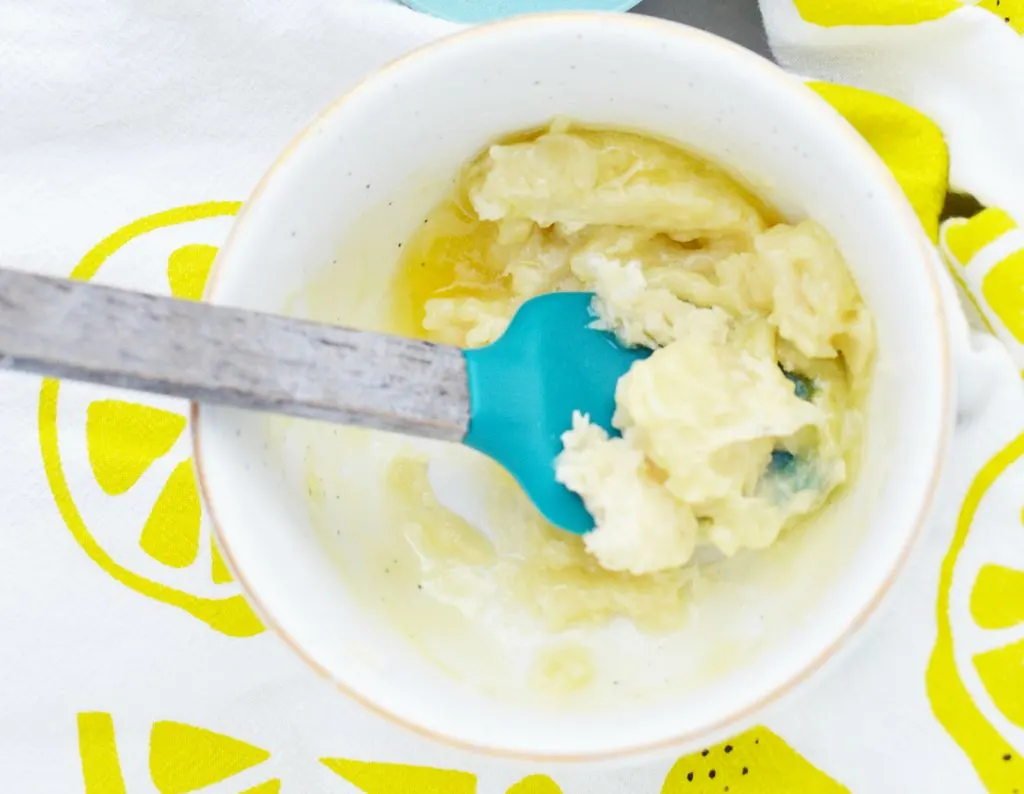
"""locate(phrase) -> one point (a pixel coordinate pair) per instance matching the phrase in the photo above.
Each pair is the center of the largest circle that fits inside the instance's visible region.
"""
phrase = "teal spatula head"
(524, 388)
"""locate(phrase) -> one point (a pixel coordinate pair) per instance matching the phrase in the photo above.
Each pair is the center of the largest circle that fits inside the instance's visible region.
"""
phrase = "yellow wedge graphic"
(755, 762)
(535, 784)
(376, 778)
(970, 716)
(183, 758)
(834, 13)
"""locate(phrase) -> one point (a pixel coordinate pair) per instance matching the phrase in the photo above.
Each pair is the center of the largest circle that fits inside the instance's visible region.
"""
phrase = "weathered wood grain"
(213, 354)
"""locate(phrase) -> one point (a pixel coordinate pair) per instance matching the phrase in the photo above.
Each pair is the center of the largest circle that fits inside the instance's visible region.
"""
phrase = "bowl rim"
(906, 217)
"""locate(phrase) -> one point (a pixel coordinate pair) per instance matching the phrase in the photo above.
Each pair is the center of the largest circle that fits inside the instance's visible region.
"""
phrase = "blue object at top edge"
(486, 10)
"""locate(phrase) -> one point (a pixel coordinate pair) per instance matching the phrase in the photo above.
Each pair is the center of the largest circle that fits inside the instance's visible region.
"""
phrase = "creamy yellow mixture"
(748, 415)
(524, 560)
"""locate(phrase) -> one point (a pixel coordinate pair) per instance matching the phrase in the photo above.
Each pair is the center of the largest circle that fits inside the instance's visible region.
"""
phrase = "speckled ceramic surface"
(483, 10)
(406, 131)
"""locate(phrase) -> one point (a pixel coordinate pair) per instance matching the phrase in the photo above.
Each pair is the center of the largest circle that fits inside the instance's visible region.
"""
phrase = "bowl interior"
(301, 509)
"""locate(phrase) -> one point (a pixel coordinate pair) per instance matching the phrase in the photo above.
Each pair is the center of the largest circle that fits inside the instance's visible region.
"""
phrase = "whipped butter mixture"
(747, 416)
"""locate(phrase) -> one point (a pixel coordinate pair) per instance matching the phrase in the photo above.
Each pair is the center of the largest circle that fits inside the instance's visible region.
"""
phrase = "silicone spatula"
(511, 400)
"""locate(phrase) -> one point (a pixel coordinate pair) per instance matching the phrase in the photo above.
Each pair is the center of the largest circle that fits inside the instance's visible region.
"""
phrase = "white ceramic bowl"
(320, 238)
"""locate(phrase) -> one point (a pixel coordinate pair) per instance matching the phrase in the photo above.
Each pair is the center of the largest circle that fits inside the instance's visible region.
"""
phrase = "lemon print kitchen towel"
(937, 87)
(131, 661)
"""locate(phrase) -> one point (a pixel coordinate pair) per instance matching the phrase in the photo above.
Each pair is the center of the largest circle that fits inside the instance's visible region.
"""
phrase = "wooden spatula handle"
(213, 354)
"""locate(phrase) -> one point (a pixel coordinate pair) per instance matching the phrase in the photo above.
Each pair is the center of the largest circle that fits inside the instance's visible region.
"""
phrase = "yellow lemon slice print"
(119, 464)
(185, 758)
(182, 758)
(907, 141)
(975, 677)
(383, 778)
(986, 258)
(1010, 11)
(535, 784)
(832, 13)
(380, 778)
(753, 762)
